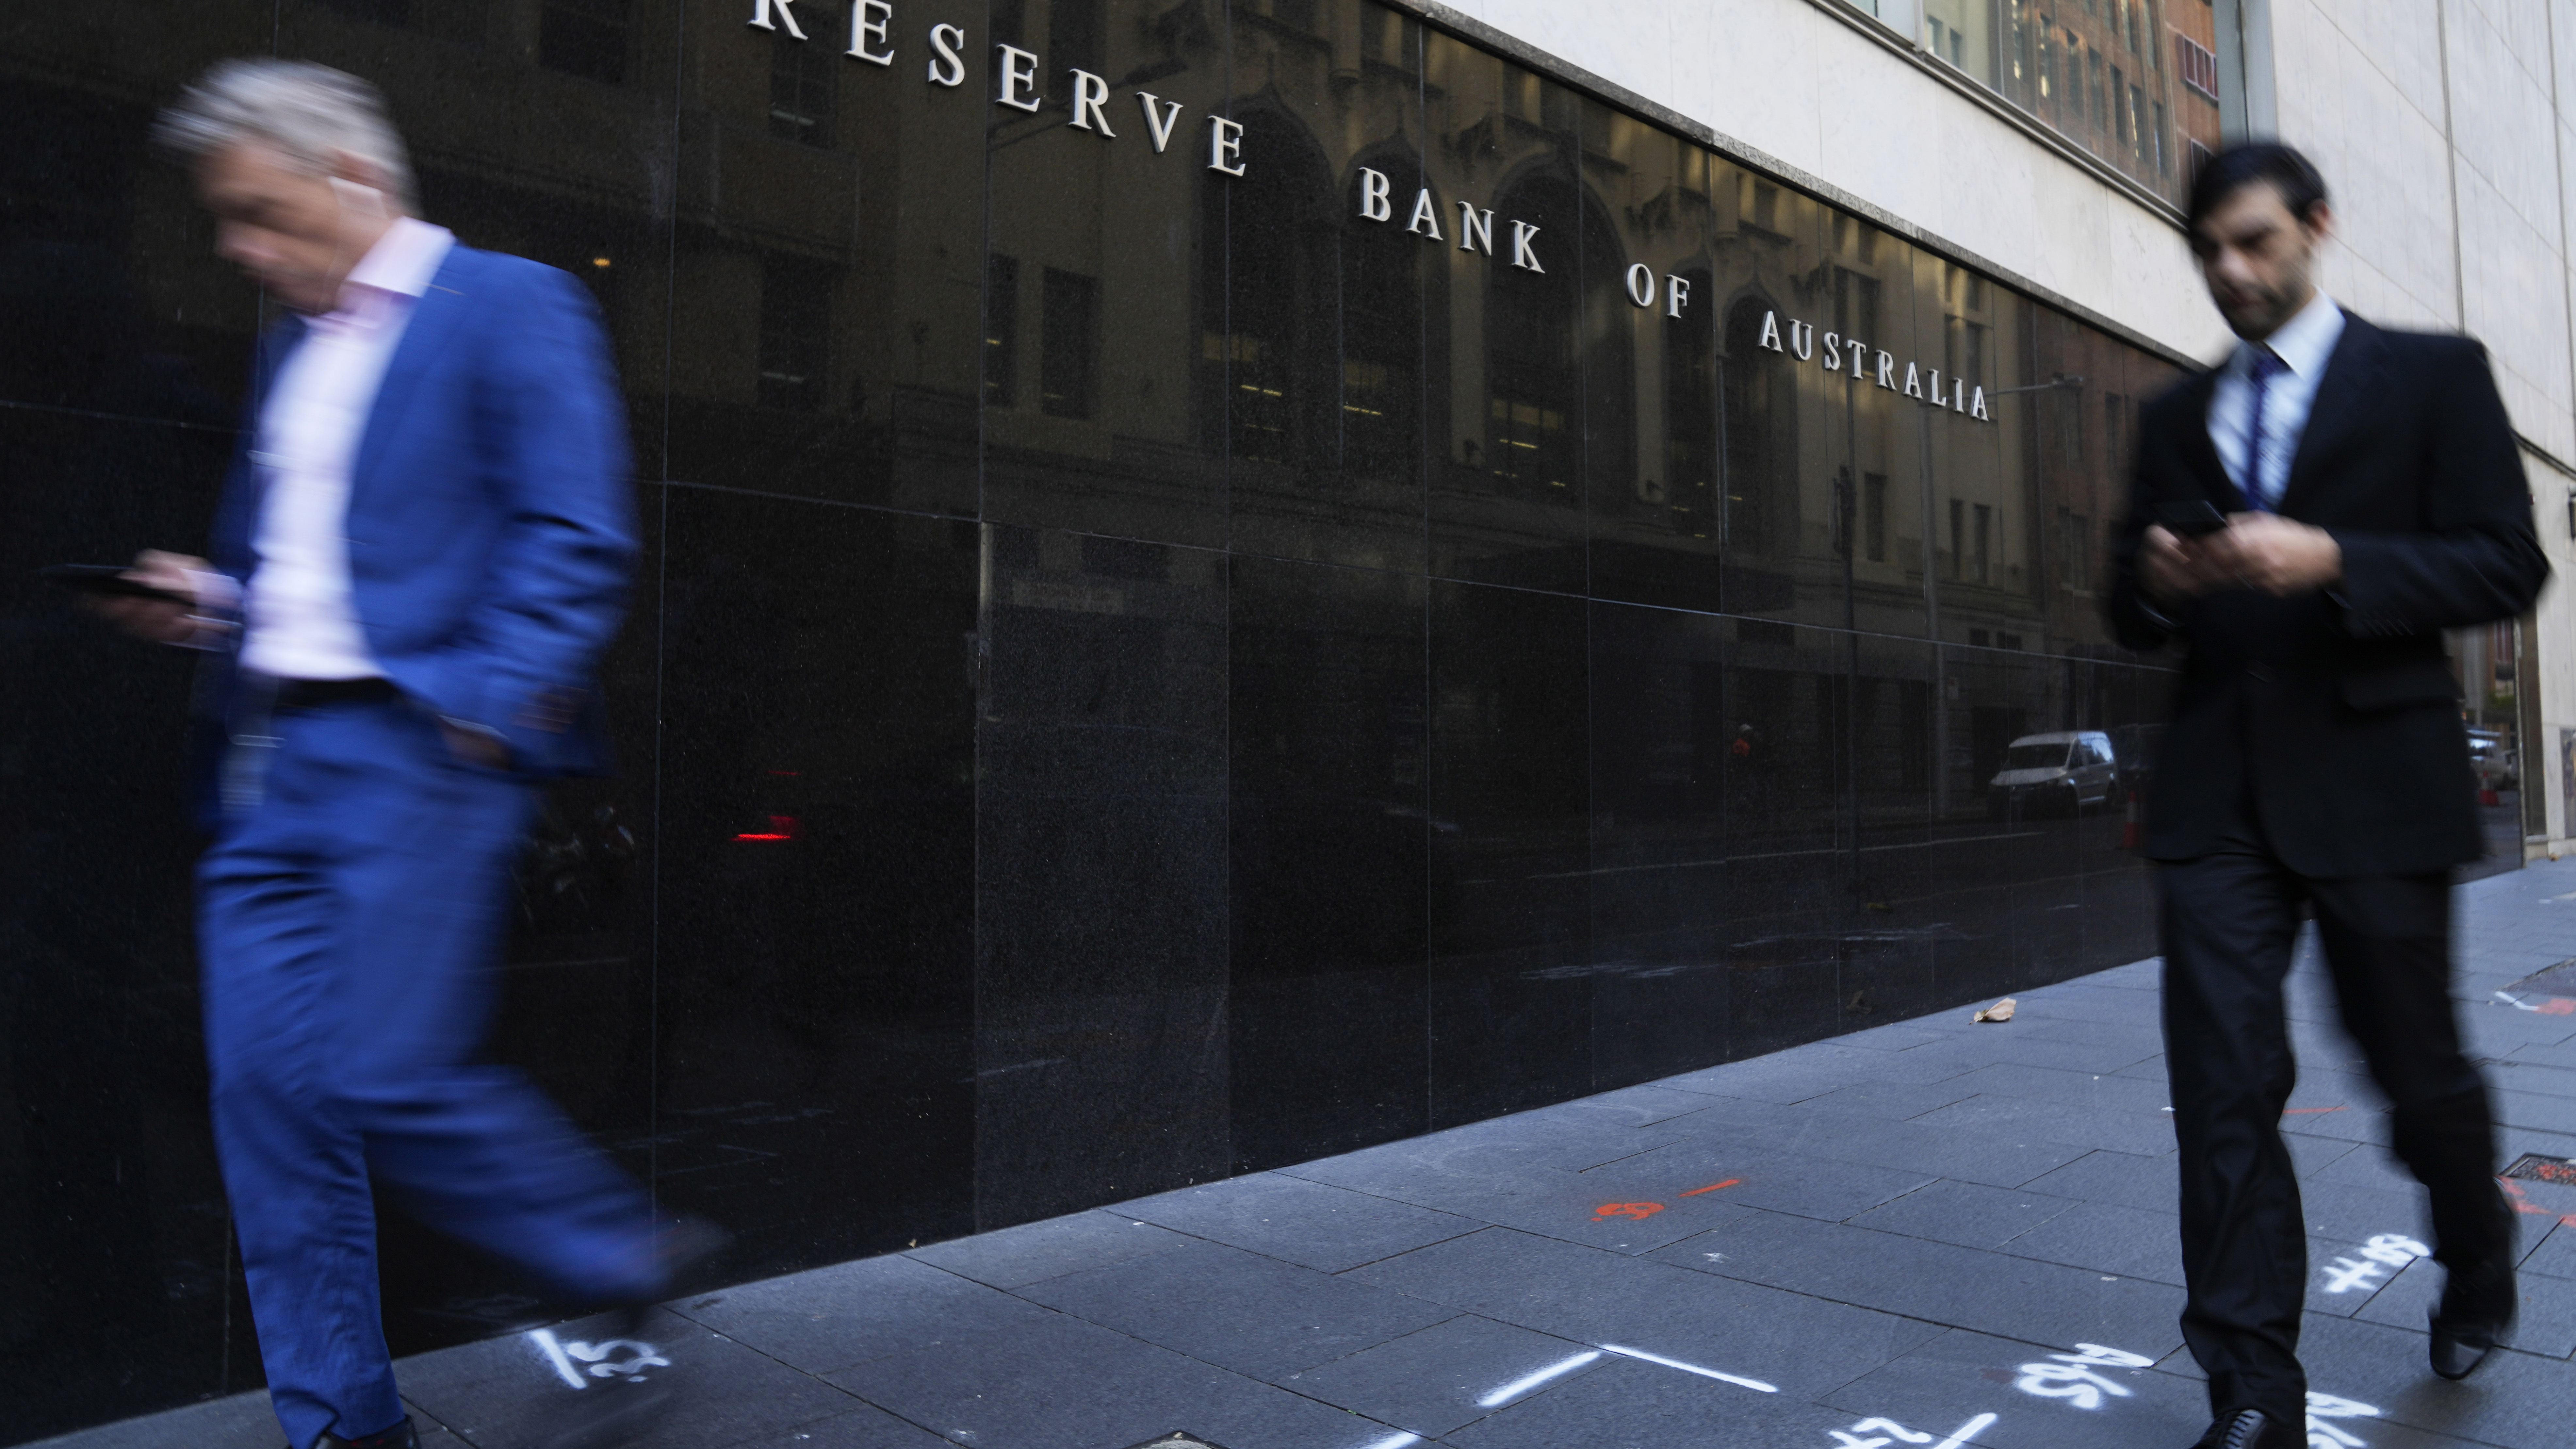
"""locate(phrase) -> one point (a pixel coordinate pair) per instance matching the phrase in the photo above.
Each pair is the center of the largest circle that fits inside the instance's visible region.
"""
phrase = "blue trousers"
(349, 919)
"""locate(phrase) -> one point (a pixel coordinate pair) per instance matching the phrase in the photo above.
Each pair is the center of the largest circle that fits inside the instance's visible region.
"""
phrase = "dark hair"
(2229, 171)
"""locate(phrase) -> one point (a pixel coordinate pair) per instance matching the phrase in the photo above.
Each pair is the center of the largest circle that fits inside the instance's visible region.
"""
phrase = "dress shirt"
(2304, 343)
(297, 618)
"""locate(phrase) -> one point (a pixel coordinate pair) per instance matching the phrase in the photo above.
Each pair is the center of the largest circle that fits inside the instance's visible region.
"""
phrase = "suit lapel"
(2199, 453)
(434, 320)
(2345, 397)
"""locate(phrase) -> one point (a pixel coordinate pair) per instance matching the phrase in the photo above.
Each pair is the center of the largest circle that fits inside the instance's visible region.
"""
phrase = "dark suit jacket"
(2335, 714)
(491, 515)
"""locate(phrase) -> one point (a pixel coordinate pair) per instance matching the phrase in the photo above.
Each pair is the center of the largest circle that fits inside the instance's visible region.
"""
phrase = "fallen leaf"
(2000, 1011)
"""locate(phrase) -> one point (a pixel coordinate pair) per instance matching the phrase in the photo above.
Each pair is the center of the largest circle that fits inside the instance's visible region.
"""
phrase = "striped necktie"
(2260, 492)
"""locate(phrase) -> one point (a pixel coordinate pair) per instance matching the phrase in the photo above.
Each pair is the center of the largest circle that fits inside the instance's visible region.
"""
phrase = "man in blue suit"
(423, 545)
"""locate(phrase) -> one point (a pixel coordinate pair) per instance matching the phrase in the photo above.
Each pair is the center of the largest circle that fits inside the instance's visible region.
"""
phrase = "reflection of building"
(1147, 673)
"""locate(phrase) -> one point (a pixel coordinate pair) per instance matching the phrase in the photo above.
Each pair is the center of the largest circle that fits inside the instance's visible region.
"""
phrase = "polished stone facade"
(1140, 675)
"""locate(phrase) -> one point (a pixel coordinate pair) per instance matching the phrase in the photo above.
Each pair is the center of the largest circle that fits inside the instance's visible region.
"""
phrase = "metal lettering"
(1019, 78)
(1426, 217)
(947, 62)
(1523, 256)
(1090, 94)
(760, 17)
(1913, 380)
(1225, 143)
(868, 21)
(1802, 339)
(1159, 123)
(1833, 352)
(1375, 203)
(1977, 406)
(1676, 293)
(1770, 332)
(1641, 285)
(1469, 228)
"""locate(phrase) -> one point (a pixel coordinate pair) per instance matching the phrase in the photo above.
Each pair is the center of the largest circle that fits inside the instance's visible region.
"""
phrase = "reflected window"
(801, 78)
(1855, 304)
(1381, 336)
(1873, 517)
(1983, 570)
(795, 333)
(586, 38)
(1761, 433)
(1690, 413)
(1532, 384)
(1068, 346)
(1958, 538)
(1001, 330)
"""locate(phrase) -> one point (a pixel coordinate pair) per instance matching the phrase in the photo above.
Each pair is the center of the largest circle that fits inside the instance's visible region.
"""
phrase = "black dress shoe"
(2476, 1310)
(2245, 1429)
(400, 1436)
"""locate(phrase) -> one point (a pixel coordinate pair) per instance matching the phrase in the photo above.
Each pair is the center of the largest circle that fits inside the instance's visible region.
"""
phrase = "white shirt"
(2304, 344)
(297, 619)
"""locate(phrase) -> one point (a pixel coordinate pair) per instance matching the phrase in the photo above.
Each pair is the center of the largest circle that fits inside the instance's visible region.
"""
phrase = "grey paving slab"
(2546, 1325)
(1632, 1404)
(1812, 1071)
(2551, 1248)
(1641, 1106)
(1298, 1220)
(2519, 1074)
(2144, 1131)
(2115, 1177)
(2313, 1155)
(1999, 1044)
(2052, 1084)
(833, 1317)
(862, 1428)
(2538, 1111)
(1968, 1214)
(1937, 1282)
(2003, 1158)
(2127, 1242)
(1899, 1035)
(1632, 1206)
(1799, 1344)
(1960, 1376)
(1449, 1375)
(507, 1391)
(1063, 1383)
(2514, 1398)
(2352, 1214)
(1895, 1101)
(1242, 1311)
(236, 1421)
(1048, 1249)
(1760, 1177)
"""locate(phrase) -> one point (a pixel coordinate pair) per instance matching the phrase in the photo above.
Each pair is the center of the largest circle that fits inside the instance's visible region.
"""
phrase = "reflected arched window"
(1533, 384)
(1267, 302)
(1760, 502)
(1690, 410)
(1381, 326)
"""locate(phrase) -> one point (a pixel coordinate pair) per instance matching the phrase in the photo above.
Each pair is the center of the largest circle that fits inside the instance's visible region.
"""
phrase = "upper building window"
(2198, 65)
(801, 79)
(586, 38)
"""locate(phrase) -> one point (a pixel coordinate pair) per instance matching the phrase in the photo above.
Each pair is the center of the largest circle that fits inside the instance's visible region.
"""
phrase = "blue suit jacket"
(491, 519)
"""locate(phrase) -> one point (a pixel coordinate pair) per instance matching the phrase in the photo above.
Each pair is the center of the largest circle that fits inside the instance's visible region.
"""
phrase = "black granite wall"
(1141, 674)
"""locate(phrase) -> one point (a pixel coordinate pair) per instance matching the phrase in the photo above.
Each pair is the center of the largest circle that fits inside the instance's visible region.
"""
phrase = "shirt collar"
(2304, 343)
(402, 261)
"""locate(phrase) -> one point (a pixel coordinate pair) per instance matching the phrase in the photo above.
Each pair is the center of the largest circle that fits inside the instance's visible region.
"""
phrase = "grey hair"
(305, 110)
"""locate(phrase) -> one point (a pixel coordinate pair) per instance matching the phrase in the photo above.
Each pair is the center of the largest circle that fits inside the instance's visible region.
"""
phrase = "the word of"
(1475, 226)
(2322, 1435)
(1015, 77)
(1888, 1431)
(2071, 1376)
(599, 1356)
(2386, 1251)
(1626, 1210)
(1875, 364)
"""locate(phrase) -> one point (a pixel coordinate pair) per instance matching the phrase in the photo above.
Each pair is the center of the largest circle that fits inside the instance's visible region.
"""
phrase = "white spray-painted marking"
(1888, 1431)
(2071, 1376)
(2386, 1251)
(1393, 1441)
(2322, 1435)
(1520, 1386)
(1756, 1385)
(600, 1356)
(545, 1339)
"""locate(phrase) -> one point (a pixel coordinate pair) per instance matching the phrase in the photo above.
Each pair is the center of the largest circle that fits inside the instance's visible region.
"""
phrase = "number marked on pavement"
(2071, 1376)
(600, 1356)
(2386, 1251)
(2322, 1435)
(1626, 1210)
(1888, 1431)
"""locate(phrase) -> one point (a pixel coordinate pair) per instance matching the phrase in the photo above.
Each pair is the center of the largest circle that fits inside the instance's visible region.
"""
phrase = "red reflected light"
(781, 827)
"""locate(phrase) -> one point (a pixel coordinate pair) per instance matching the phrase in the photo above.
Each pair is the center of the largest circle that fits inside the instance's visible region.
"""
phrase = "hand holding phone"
(155, 599)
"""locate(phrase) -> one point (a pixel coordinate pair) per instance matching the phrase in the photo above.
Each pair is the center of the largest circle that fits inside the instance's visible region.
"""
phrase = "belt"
(302, 694)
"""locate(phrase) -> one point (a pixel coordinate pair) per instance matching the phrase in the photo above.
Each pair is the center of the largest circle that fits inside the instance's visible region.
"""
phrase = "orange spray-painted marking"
(1626, 1210)
(1712, 1187)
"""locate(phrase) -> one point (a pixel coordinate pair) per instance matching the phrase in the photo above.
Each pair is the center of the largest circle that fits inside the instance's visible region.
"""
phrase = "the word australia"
(1864, 363)
(1015, 77)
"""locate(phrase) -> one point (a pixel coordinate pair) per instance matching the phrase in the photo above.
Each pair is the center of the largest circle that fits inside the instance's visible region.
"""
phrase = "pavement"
(1935, 1232)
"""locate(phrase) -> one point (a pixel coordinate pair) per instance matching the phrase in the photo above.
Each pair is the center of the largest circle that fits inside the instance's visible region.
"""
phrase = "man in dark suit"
(423, 544)
(2372, 496)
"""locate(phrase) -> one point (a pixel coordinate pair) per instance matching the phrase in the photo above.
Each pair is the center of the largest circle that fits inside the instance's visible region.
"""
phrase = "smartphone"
(107, 579)
(2196, 519)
